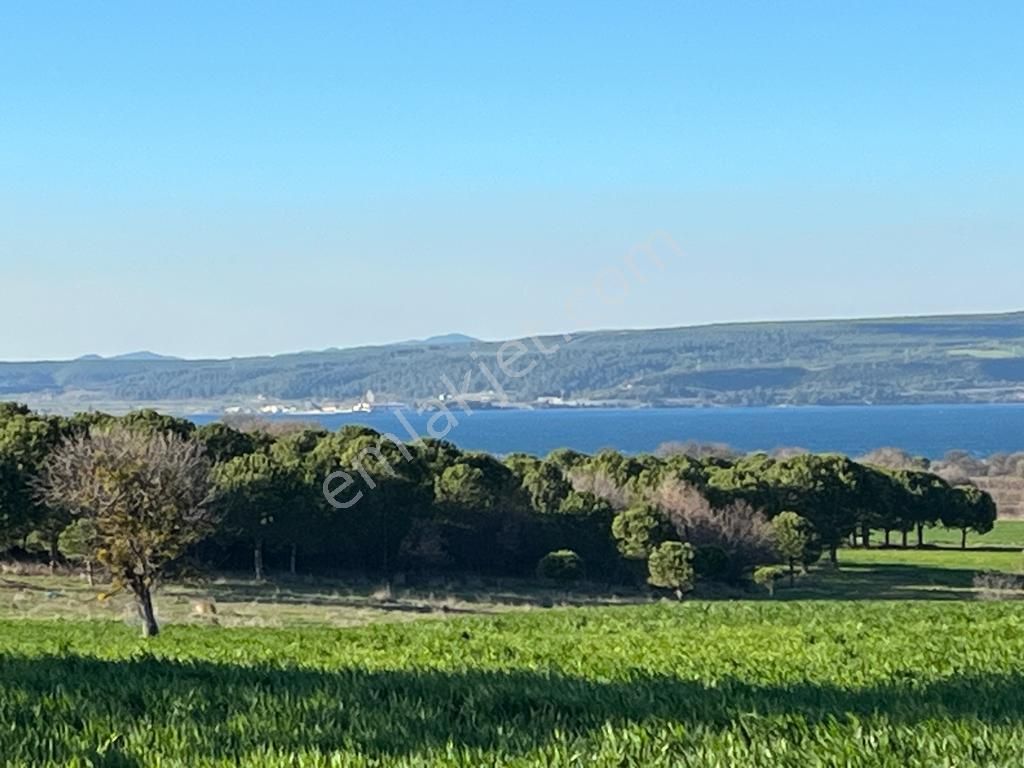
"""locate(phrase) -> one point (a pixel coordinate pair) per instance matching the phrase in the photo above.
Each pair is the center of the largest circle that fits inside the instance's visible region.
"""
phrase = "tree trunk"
(905, 534)
(387, 549)
(865, 535)
(257, 559)
(887, 541)
(853, 539)
(145, 604)
(963, 539)
(291, 561)
(833, 554)
(792, 573)
(89, 574)
(920, 535)
(54, 554)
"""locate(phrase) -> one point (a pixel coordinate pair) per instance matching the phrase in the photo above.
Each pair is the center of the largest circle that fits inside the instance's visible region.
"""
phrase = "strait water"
(926, 430)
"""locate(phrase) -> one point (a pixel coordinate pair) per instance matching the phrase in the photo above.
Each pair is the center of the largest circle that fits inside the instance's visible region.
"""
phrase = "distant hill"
(442, 341)
(144, 356)
(962, 358)
(130, 356)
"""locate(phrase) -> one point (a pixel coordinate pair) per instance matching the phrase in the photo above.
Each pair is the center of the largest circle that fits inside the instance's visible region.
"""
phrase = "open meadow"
(897, 658)
(701, 684)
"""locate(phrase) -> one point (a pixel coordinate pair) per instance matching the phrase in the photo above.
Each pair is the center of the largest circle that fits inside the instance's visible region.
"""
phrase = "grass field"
(1007, 533)
(751, 684)
(940, 571)
(910, 575)
(1009, 560)
(895, 659)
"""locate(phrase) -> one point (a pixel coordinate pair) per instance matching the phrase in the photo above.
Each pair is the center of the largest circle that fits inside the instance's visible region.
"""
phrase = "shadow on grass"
(270, 594)
(881, 547)
(419, 599)
(883, 581)
(176, 709)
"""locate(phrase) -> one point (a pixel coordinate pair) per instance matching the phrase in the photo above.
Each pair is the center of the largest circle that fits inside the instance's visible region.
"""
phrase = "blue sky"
(219, 179)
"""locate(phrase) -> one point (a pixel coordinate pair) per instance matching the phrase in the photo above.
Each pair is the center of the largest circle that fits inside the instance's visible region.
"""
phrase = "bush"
(792, 535)
(671, 567)
(766, 577)
(563, 565)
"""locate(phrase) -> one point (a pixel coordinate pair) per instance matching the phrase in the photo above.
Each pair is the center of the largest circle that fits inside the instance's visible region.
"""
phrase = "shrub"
(767, 575)
(602, 485)
(563, 565)
(792, 535)
(671, 567)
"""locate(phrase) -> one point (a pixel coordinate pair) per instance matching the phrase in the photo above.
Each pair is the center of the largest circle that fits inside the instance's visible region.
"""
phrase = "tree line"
(144, 494)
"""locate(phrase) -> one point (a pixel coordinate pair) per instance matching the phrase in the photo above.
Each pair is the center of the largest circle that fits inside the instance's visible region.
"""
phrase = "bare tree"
(784, 452)
(1006, 465)
(696, 450)
(956, 466)
(738, 529)
(894, 458)
(147, 496)
(952, 473)
(603, 486)
(252, 424)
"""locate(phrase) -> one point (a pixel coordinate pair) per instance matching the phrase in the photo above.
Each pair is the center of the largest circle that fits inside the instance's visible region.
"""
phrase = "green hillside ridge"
(949, 359)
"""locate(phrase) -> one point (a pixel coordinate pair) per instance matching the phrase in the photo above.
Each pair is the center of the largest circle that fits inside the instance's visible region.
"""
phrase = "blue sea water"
(925, 430)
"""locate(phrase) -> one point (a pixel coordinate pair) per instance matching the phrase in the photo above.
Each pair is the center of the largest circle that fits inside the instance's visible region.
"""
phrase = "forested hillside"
(978, 358)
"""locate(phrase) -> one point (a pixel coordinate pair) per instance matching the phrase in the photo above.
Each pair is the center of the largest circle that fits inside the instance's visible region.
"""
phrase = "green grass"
(1006, 533)
(878, 575)
(939, 571)
(1009, 561)
(892, 660)
(697, 684)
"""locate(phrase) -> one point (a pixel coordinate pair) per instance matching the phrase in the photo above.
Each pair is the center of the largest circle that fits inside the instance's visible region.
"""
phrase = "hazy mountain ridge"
(442, 340)
(144, 355)
(959, 358)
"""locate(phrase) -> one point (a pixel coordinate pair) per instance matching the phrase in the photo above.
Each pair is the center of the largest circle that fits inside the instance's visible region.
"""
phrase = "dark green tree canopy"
(429, 506)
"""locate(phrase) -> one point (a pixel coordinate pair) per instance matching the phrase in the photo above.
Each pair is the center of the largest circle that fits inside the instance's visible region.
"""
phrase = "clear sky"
(236, 178)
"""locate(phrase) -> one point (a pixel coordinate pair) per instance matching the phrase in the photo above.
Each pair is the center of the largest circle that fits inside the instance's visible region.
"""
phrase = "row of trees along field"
(146, 496)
